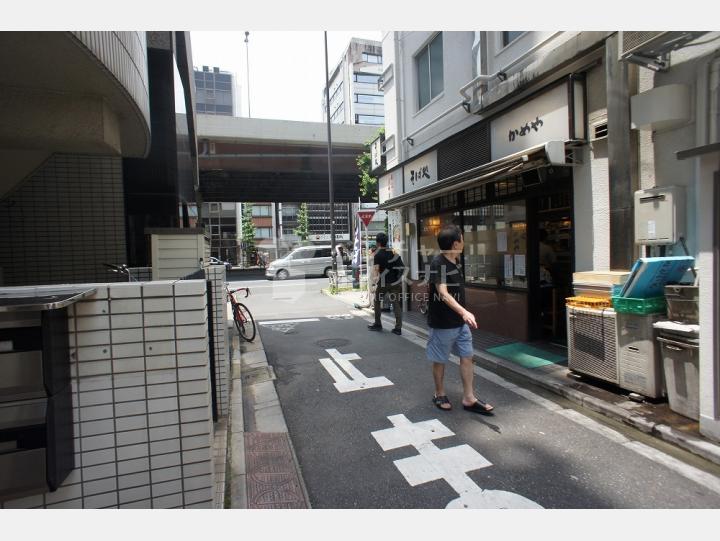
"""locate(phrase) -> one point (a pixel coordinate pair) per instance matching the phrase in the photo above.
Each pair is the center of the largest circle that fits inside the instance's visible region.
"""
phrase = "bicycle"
(120, 269)
(241, 315)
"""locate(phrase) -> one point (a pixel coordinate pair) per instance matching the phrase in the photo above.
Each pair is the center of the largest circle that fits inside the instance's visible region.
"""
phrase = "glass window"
(430, 71)
(263, 232)
(369, 119)
(508, 36)
(261, 210)
(372, 58)
(368, 98)
(366, 78)
(496, 245)
(429, 228)
(322, 252)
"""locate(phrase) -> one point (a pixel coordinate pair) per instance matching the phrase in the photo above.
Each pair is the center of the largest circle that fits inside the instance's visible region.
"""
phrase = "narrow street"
(366, 435)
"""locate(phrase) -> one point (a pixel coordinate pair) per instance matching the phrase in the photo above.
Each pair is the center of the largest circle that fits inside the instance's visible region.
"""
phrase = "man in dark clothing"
(388, 280)
(450, 322)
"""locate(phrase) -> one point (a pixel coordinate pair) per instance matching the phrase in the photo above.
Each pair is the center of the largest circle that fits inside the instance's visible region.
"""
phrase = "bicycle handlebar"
(233, 291)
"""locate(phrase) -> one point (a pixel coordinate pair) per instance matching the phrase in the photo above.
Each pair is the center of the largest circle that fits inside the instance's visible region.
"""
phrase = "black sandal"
(479, 407)
(440, 400)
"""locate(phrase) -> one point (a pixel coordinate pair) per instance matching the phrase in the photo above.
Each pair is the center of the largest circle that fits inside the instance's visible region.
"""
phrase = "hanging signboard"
(555, 115)
(377, 158)
(420, 172)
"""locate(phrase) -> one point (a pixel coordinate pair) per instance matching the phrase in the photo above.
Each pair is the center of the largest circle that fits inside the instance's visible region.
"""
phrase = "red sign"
(366, 216)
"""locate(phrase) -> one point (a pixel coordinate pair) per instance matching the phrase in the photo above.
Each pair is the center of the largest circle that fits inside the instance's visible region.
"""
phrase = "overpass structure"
(252, 159)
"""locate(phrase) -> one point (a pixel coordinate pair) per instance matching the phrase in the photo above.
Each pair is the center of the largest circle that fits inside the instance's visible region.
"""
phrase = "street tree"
(303, 228)
(248, 233)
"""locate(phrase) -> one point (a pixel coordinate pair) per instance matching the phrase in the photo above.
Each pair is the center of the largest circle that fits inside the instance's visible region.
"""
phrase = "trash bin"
(682, 381)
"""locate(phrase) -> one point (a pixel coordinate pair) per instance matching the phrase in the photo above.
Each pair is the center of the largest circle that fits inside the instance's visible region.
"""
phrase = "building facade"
(216, 92)
(534, 143)
(354, 94)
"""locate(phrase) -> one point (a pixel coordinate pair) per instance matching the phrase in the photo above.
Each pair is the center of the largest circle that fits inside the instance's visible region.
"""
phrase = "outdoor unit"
(639, 363)
(592, 342)
(650, 49)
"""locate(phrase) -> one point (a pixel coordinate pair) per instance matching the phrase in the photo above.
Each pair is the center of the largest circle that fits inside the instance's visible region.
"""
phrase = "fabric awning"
(548, 153)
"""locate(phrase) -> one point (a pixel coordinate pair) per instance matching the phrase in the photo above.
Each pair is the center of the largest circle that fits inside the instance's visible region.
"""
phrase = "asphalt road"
(531, 452)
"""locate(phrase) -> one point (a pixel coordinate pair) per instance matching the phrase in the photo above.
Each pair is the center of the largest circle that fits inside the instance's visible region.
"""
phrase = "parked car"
(303, 261)
(216, 261)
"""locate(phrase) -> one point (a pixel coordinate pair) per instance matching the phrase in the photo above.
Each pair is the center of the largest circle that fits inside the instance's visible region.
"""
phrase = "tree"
(368, 183)
(248, 233)
(302, 230)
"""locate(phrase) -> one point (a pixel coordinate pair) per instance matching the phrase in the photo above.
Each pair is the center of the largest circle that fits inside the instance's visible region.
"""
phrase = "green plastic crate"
(628, 305)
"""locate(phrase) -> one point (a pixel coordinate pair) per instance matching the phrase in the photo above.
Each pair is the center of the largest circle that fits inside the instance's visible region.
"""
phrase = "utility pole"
(247, 64)
(330, 175)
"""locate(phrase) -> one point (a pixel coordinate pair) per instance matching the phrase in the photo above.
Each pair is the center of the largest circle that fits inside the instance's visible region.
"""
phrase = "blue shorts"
(442, 341)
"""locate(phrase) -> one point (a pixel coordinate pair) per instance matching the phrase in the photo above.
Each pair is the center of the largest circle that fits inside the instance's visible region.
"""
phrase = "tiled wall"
(141, 400)
(216, 275)
(63, 222)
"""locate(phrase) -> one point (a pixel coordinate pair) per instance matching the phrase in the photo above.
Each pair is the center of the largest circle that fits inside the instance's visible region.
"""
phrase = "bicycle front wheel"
(244, 322)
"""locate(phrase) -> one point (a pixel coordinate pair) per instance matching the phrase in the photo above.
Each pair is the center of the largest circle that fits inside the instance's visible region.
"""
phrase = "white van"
(303, 261)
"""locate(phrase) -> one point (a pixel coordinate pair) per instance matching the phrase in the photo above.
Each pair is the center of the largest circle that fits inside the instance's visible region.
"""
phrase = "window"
(323, 252)
(369, 119)
(496, 245)
(263, 232)
(429, 227)
(366, 78)
(368, 98)
(509, 36)
(214, 207)
(304, 254)
(430, 71)
(372, 58)
(260, 210)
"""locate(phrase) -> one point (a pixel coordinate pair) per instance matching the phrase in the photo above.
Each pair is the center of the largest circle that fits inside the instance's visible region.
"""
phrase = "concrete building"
(354, 94)
(216, 92)
(525, 139)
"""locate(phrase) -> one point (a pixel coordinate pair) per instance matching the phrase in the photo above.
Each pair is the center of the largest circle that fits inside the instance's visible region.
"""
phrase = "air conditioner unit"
(592, 342)
(651, 49)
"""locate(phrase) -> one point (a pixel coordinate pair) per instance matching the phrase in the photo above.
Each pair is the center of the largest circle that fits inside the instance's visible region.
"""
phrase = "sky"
(287, 68)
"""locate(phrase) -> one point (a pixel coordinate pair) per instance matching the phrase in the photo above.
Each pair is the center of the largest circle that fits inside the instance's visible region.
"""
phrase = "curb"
(270, 418)
(688, 442)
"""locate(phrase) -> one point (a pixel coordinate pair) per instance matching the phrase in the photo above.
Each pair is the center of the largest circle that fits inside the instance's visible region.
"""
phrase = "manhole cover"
(333, 343)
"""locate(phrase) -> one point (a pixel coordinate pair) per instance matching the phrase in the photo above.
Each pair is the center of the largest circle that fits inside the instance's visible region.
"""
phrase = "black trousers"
(394, 295)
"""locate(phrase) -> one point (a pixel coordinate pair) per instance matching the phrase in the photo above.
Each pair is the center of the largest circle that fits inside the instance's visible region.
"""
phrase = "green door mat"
(526, 355)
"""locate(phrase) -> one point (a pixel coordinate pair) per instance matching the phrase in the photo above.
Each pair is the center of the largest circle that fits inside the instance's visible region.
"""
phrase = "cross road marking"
(451, 464)
(357, 380)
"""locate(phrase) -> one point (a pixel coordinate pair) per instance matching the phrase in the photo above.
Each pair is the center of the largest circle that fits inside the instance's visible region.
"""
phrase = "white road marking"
(707, 480)
(696, 475)
(357, 380)
(281, 321)
(450, 464)
(340, 316)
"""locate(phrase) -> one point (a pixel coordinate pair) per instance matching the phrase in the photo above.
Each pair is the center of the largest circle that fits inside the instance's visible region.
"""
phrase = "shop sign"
(421, 172)
(389, 186)
(377, 159)
(548, 117)
(326, 237)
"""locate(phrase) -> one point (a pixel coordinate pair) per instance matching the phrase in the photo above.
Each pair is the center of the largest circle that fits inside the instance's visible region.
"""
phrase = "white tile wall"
(63, 221)
(216, 275)
(144, 428)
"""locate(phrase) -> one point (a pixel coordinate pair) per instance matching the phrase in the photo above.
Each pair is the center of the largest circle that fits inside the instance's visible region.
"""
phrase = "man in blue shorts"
(450, 322)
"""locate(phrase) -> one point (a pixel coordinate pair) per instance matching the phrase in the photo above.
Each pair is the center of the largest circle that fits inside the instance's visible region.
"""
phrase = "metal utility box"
(660, 215)
(639, 364)
(177, 252)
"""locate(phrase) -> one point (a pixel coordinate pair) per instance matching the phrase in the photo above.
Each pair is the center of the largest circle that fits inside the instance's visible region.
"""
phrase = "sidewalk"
(655, 419)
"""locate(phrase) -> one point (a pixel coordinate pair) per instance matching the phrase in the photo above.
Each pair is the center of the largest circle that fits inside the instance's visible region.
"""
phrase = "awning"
(548, 153)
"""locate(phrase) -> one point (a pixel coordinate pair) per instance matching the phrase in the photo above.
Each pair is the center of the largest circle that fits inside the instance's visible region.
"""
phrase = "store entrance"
(555, 273)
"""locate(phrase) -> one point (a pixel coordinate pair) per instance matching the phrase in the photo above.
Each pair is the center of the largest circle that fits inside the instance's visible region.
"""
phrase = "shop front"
(515, 211)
